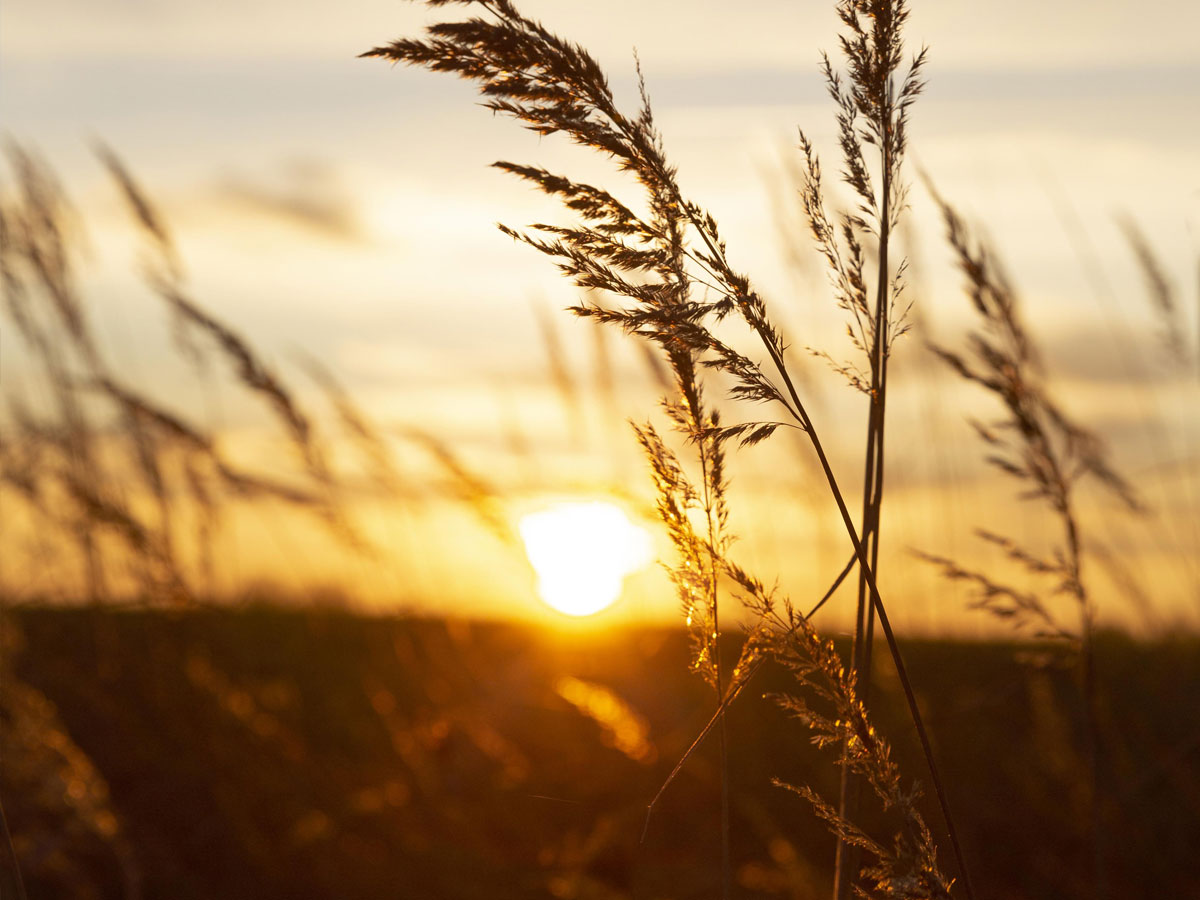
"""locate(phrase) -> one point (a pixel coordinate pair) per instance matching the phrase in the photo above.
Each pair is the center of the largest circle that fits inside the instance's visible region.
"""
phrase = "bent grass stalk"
(85, 478)
(1039, 445)
(553, 86)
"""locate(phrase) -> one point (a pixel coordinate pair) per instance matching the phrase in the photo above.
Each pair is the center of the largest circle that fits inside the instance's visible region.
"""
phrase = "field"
(264, 753)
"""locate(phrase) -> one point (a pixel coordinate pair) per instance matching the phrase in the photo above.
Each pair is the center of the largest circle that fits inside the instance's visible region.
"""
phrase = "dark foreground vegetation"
(265, 753)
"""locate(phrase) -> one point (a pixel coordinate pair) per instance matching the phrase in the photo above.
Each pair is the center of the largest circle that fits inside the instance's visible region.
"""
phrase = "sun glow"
(582, 553)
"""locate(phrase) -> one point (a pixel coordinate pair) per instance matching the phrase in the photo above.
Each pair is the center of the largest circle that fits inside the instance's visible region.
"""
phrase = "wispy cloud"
(304, 193)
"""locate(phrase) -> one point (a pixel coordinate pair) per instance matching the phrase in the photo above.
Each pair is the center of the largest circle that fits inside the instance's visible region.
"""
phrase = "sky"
(344, 208)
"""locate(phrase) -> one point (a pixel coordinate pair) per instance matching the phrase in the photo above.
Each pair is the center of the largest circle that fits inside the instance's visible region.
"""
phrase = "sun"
(582, 552)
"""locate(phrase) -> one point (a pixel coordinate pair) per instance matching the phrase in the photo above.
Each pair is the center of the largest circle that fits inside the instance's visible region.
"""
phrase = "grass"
(657, 264)
(663, 273)
(264, 751)
(1048, 455)
(447, 741)
(133, 485)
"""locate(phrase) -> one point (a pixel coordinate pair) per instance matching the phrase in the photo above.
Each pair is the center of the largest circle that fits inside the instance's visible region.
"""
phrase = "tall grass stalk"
(1049, 454)
(654, 262)
(873, 101)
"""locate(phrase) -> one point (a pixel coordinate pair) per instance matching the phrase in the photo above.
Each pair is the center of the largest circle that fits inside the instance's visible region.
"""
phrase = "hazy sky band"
(292, 169)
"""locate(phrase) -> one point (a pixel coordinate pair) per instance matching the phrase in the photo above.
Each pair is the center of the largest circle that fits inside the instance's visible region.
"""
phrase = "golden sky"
(346, 208)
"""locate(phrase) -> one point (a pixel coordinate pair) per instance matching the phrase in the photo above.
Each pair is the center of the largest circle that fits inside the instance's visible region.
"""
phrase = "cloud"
(306, 194)
(772, 32)
(1115, 355)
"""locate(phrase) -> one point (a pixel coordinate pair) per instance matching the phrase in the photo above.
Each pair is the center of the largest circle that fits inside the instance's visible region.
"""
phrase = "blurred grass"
(265, 752)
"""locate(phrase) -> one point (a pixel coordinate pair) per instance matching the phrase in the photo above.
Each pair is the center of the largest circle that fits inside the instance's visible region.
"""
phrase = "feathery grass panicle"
(839, 718)
(38, 244)
(250, 370)
(1162, 292)
(873, 103)
(676, 498)
(551, 85)
(1037, 444)
(655, 262)
(1022, 609)
(117, 471)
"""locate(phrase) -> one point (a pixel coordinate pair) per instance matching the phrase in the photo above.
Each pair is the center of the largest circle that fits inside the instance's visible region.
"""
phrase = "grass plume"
(655, 262)
(1048, 454)
(87, 464)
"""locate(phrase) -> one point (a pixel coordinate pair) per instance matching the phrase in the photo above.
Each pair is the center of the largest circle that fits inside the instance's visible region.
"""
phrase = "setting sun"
(582, 553)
